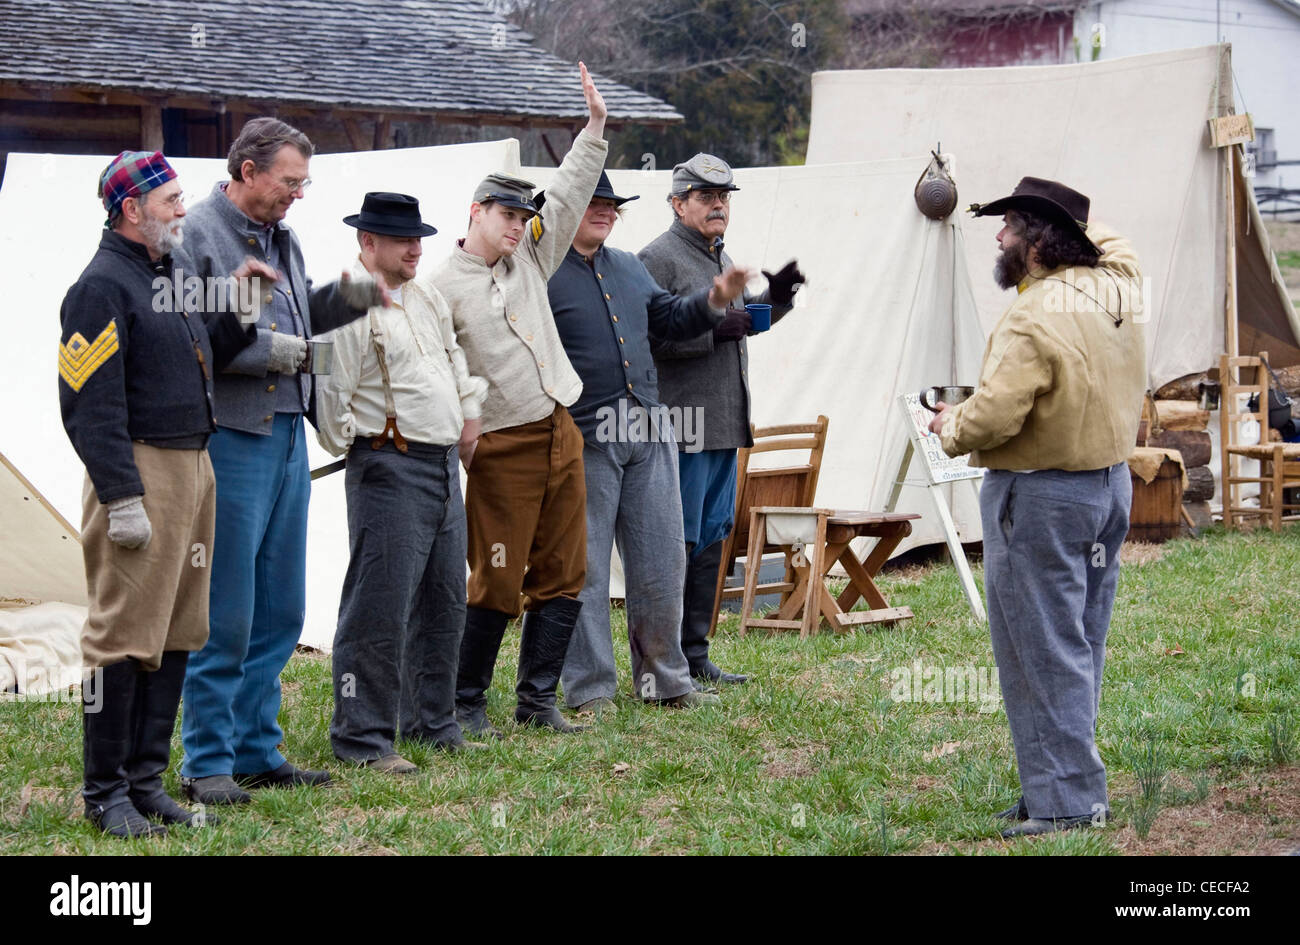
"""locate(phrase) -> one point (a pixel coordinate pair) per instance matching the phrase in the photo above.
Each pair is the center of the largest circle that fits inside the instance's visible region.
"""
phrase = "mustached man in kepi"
(708, 376)
(135, 391)
(1053, 420)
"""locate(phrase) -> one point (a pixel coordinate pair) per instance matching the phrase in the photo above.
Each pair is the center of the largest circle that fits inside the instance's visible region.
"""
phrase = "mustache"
(716, 215)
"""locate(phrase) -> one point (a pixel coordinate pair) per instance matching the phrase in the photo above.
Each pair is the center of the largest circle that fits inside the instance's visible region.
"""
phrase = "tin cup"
(760, 316)
(320, 358)
(951, 396)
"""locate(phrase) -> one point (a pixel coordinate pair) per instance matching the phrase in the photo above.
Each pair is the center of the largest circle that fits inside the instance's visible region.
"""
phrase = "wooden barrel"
(1156, 513)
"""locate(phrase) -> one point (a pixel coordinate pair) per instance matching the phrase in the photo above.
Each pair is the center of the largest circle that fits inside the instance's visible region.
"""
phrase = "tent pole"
(1230, 268)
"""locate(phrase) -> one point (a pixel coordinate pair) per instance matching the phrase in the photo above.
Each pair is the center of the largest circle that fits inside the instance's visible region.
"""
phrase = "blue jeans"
(1051, 568)
(258, 595)
(402, 610)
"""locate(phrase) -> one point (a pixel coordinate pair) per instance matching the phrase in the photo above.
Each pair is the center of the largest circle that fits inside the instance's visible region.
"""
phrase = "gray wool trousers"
(633, 498)
(1051, 567)
(402, 609)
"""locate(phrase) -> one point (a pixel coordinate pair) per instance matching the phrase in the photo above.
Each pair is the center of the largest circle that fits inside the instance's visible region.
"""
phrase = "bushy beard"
(161, 238)
(1011, 266)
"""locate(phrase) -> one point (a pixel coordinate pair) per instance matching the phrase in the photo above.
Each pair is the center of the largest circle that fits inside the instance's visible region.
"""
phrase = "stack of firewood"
(1180, 424)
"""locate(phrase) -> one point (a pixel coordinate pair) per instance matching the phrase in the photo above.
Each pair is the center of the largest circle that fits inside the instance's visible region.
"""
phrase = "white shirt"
(433, 391)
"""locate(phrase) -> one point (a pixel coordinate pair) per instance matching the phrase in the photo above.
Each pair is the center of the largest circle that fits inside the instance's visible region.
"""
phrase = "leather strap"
(390, 406)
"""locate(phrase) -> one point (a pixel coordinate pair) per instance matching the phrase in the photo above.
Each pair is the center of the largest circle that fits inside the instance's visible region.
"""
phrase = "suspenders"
(390, 406)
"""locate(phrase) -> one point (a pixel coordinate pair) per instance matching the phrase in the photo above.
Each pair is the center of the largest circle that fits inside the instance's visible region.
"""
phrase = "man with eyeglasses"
(606, 305)
(135, 392)
(259, 453)
(707, 377)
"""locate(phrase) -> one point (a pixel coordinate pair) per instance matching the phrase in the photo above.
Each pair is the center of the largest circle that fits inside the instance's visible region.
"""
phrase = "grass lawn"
(816, 755)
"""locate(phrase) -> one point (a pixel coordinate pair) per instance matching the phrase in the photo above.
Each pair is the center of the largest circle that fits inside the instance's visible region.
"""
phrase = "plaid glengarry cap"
(131, 174)
(507, 191)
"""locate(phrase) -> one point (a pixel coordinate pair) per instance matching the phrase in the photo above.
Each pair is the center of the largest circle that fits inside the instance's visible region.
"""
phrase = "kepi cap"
(507, 191)
(702, 172)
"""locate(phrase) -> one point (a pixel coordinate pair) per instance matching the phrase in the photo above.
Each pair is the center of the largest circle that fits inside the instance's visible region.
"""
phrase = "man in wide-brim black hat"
(397, 404)
(1054, 420)
(606, 307)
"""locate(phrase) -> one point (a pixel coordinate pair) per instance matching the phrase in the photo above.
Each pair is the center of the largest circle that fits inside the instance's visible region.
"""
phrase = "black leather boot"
(698, 599)
(478, 658)
(158, 697)
(108, 718)
(542, 650)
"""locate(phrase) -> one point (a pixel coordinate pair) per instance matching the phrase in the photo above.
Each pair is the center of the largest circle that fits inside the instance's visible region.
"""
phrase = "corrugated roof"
(427, 56)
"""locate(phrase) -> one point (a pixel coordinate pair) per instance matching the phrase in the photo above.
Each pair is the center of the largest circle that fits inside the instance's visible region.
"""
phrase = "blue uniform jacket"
(605, 313)
(132, 367)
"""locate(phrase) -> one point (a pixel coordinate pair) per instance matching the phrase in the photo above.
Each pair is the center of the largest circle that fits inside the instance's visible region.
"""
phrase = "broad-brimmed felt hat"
(702, 172)
(604, 190)
(390, 215)
(507, 191)
(1044, 198)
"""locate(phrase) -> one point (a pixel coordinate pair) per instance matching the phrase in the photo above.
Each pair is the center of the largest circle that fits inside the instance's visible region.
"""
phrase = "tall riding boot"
(158, 697)
(478, 658)
(542, 650)
(108, 718)
(698, 606)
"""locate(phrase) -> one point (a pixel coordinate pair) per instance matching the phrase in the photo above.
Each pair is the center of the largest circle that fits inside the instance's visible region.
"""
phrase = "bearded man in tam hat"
(135, 392)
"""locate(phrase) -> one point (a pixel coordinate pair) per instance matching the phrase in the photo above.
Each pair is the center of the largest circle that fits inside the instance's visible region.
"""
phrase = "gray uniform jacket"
(701, 372)
(217, 238)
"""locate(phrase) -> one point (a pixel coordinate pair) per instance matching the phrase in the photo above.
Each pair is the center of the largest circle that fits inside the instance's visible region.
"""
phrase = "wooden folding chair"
(1278, 469)
(793, 485)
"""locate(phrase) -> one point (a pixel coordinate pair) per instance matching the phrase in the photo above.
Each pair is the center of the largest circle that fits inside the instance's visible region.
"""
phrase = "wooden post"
(383, 133)
(151, 129)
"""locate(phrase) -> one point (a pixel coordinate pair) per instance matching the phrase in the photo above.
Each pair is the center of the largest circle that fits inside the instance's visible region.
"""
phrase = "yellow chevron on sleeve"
(536, 227)
(79, 359)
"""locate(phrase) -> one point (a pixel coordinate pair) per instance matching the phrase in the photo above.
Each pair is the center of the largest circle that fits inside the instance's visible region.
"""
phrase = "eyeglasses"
(174, 201)
(296, 183)
(709, 196)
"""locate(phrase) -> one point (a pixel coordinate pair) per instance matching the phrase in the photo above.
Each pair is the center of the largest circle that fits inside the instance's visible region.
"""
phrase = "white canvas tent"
(888, 306)
(42, 591)
(887, 309)
(1131, 133)
(49, 227)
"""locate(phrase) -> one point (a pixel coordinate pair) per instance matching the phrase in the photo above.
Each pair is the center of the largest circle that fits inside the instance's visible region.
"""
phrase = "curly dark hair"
(1056, 245)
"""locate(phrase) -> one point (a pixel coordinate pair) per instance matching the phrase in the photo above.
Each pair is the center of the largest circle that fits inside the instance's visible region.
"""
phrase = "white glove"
(287, 353)
(128, 523)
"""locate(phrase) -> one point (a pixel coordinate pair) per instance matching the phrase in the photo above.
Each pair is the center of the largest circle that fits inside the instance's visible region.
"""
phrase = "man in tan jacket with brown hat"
(1053, 420)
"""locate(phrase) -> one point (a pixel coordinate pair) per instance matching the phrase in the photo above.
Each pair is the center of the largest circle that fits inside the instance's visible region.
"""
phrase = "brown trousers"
(151, 599)
(526, 511)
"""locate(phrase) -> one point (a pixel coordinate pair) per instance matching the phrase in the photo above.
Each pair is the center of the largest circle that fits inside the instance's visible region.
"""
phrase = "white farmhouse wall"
(1265, 38)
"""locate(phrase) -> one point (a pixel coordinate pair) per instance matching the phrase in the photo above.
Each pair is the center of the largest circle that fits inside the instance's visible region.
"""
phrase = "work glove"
(784, 283)
(128, 523)
(733, 327)
(361, 294)
(287, 353)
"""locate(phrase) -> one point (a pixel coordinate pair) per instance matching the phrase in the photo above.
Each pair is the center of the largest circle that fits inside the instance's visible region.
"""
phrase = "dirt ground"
(1256, 814)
